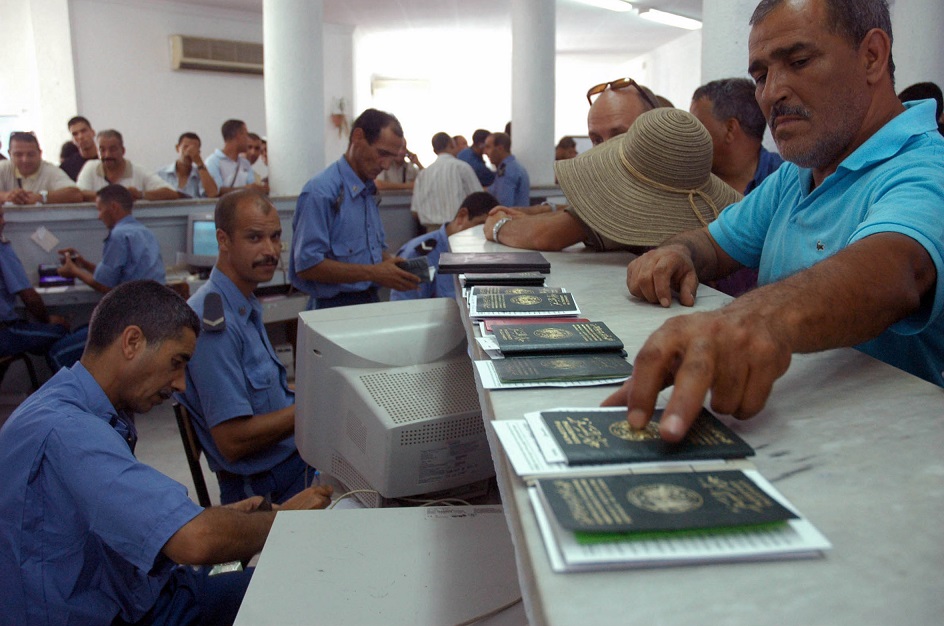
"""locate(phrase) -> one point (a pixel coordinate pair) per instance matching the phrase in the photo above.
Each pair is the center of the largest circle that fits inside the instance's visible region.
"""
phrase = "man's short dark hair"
(850, 19)
(503, 140)
(734, 97)
(78, 119)
(116, 193)
(28, 137)
(255, 137)
(231, 128)
(189, 135)
(567, 142)
(924, 91)
(67, 150)
(158, 311)
(479, 136)
(372, 121)
(441, 142)
(479, 203)
(114, 134)
(224, 215)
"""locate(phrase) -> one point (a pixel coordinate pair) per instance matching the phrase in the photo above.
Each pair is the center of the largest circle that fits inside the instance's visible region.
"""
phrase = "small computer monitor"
(386, 399)
(202, 247)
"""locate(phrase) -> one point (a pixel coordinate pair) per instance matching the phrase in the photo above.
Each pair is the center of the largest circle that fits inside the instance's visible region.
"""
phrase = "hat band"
(691, 193)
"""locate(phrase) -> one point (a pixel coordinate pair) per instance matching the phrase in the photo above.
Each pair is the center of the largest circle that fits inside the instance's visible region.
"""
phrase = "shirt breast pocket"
(264, 387)
(349, 248)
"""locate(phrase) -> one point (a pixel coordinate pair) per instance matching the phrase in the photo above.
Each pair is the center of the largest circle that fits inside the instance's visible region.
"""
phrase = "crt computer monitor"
(386, 399)
(202, 247)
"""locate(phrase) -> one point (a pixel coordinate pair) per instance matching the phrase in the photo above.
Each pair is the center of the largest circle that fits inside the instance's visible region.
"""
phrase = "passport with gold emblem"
(556, 338)
(562, 367)
(670, 502)
(589, 437)
(509, 304)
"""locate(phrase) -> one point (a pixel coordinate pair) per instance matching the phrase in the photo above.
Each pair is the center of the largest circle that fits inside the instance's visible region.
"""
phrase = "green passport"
(526, 303)
(556, 337)
(596, 437)
(676, 502)
(570, 367)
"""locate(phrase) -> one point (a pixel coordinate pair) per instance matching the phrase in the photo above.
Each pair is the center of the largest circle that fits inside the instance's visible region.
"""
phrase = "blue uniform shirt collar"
(126, 220)
(352, 182)
(95, 398)
(235, 300)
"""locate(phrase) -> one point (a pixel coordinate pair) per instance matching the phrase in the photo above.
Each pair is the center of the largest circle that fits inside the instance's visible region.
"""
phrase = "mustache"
(266, 261)
(786, 109)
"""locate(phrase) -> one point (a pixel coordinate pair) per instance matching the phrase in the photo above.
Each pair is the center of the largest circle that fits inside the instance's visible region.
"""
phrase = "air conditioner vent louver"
(215, 55)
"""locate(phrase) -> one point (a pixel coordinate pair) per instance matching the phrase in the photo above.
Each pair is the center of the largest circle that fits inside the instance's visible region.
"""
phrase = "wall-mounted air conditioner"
(215, 55)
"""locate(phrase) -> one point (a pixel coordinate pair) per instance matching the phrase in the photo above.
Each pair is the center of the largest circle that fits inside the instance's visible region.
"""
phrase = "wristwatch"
(44, 195)
(497, 227)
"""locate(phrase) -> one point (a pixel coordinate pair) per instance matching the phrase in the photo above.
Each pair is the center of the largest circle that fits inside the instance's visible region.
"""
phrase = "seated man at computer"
(18, 335)
(237, 389)
(472, 212)
(131, 252)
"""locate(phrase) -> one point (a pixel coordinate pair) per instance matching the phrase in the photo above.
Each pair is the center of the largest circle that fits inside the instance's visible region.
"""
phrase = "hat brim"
(627, 210)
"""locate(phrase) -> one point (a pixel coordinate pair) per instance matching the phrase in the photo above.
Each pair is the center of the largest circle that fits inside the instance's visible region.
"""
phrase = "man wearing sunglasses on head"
(614, 106)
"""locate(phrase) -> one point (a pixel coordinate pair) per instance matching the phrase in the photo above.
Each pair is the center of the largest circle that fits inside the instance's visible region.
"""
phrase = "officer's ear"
(462, 217)
(132, 341)
(222, 238)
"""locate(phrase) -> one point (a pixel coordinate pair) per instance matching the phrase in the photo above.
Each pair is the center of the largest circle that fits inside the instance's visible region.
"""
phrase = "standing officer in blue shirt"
(237, 388)
(473, 156)
(512, 186)
(339, 255)
(89, 534)
(131, 252)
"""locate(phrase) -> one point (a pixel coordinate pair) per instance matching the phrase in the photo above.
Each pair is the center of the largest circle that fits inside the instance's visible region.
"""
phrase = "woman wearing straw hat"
(649, 184)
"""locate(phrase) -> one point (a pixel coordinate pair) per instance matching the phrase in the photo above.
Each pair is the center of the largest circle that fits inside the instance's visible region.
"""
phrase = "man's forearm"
(161, 193)
(218, 535)
(711, 262)
(242, 436)
(545, 231)
(337, 272)
(849, 298)
(34, 304)
(66, 195)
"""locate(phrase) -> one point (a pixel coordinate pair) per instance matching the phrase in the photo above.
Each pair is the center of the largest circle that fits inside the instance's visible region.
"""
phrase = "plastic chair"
(7, 361)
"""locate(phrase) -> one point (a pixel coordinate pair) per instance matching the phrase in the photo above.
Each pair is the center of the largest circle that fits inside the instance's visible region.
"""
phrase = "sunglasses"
(621, 83)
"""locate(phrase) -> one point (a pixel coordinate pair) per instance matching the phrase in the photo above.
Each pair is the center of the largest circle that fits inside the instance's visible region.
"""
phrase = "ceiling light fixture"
(620, 6)
(669, 19)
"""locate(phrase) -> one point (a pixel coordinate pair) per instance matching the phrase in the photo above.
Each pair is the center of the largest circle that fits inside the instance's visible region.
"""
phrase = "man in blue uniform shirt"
(237, 391)
(474, 210)
(848, 235)
(17, 335)
(89, 534)
(339, 255)
(131, 252)
(473, 155)
(512, 186)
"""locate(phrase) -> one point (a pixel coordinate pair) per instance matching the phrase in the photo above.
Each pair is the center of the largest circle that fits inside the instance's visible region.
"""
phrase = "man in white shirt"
(26, 179)
(443, 185)
(113, 168)
(228, 167)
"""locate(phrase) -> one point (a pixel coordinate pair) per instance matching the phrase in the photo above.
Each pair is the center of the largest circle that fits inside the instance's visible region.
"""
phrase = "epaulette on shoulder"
(214, 319)
(425, 246)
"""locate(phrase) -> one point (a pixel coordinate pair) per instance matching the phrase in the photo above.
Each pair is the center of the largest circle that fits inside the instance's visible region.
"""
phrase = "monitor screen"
(204, 238)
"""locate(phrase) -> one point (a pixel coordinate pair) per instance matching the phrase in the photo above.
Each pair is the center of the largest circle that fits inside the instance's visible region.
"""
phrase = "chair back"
(193, 450)
(7, 361)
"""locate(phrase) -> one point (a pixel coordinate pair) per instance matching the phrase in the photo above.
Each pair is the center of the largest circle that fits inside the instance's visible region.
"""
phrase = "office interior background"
(437, 64)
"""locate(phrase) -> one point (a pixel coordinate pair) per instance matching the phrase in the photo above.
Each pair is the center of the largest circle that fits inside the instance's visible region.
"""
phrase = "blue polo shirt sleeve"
(116, 255)
(212, 164)
(131, 507)
(913, 205)
(742, 227)
(14, 276)
(217, 369)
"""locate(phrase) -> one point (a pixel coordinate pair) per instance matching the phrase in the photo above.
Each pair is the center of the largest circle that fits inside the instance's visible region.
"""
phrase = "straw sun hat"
(648, 184)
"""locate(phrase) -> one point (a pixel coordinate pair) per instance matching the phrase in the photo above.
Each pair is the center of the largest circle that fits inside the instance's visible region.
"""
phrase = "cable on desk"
(491, 613)
(351, 493)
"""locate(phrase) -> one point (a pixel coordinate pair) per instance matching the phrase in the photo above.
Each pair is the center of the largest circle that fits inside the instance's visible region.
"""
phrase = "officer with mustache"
(237, 389)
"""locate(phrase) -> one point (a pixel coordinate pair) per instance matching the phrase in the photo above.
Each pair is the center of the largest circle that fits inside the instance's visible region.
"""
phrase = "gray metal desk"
(855, 444)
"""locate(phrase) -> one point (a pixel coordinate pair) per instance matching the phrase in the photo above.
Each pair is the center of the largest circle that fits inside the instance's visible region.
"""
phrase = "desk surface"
(411, 566)
(855, 444)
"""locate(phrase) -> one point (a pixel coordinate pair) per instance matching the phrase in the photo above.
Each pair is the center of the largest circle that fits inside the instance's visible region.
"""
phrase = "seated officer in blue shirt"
(339, 255)
(89, 534)
(131, 252)
(18, 335)
(473, 212)
(237, 388)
